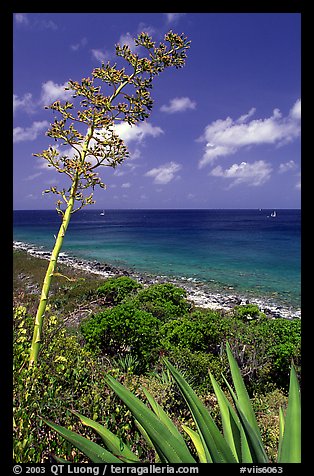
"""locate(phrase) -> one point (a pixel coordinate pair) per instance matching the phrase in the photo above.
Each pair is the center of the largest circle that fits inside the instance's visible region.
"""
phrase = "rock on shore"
(196, 292)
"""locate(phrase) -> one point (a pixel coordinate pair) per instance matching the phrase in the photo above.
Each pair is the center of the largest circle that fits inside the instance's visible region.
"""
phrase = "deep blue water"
(243, 249)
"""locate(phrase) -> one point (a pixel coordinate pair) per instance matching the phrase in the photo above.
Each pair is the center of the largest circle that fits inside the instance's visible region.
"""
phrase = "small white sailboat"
(273, 214)
(102, 213)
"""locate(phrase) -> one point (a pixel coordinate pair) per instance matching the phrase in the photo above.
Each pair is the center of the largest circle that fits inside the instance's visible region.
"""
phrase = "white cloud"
(21, 18)
(173, 17)
(178, 105)
(254, 174)
(101, 55)
(226, 137)
(191, 196)
(151, 31)
(104, 55)
(29, 133)
(37, 22)
(137, 133)
(51, 92)
(42, 164)
(165, 173)
(126, 185)
(46, 24)
(25, 103)
(286, 166)
(80, 44)
(136, 154)
(119, 173)
(127, 39)
(295, 111)
(244, 117)
(33, 176)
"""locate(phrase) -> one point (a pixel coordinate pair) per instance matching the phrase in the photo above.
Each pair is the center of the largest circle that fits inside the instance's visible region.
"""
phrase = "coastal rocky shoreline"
(196, 292)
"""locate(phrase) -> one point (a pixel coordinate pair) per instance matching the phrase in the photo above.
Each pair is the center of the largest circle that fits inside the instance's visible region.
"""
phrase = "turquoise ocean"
(247, 251)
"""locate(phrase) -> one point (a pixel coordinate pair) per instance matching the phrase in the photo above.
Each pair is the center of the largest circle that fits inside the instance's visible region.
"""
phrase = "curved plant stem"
(47, 281)
(39, 319)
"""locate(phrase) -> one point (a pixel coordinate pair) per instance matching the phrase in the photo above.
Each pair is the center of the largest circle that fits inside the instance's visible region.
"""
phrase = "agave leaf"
(215, 446)
(163, 417)
(290, 448)
(251, 441)
(168, 447)
(241, 392)
(281, 430)
(246, 454)
(96, 453)
(149, 442)
(230, 420)
(112, 442)
(196, 439)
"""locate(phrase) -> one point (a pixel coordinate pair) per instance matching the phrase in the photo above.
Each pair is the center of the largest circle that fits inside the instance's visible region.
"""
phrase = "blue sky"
(224, 131)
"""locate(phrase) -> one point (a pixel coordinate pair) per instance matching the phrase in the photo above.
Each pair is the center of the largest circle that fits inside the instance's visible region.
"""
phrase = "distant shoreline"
(196, 292)
(161, 209)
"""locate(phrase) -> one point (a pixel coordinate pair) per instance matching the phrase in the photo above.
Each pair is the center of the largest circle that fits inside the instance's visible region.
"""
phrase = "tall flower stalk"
(86, 128)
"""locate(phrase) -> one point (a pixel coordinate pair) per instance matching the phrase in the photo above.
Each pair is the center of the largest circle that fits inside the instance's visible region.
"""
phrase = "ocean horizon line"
(252, 250)
(161, 209)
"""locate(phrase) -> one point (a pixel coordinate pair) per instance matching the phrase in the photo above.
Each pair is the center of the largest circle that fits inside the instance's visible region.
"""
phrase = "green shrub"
(267, 408)
(124, 330)
(68, 377)
(264, 349)
(200, 331)
(283, 344)
(164, 301)
(117, 289)
(239, 442)
(184, 333)
(195, 367)
(248, 312)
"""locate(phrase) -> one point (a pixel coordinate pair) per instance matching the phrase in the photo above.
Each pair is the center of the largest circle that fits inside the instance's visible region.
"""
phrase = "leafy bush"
(240, 441)
(121, 330)
(117, 289)
(264, 349)
(248, 312)
(195, 367)
(200, 331)
(68, 377)
(184, 333)
(267, 408)
(164, 301)
(283, 339)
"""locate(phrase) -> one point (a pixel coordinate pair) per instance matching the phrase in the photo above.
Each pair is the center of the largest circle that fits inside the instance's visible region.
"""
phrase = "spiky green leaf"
(112, 442)
(168, 447)
(163, 417)
(214, 443)
(253, 449)
(96, 453)
(230, 420)
(197, 442)
(290, 448)
(241, 392)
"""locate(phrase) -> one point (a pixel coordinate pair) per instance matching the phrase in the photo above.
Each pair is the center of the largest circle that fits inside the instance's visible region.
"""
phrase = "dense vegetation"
(159, 320)
(131, 327)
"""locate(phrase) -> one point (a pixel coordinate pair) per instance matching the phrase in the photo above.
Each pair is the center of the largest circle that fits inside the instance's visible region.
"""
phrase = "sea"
(246, 251)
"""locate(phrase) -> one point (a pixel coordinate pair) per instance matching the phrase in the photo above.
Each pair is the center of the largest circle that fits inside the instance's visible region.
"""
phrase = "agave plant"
(240, 441)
